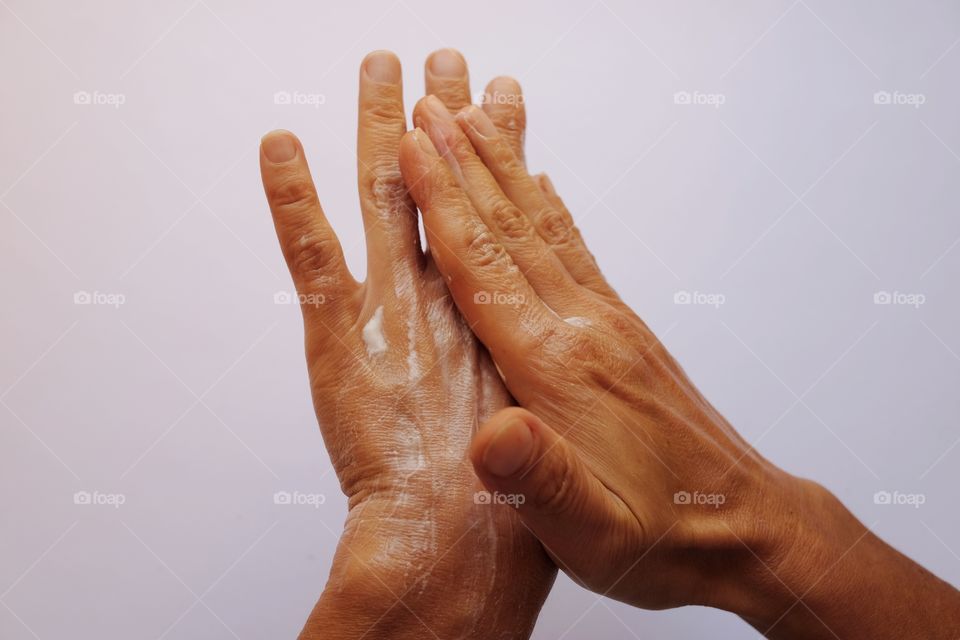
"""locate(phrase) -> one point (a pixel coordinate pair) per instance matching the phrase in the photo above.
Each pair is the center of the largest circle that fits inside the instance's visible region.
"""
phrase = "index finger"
(492, 294)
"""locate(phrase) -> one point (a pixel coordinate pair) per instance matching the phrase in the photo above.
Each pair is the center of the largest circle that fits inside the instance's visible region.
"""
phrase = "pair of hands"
(627, 478)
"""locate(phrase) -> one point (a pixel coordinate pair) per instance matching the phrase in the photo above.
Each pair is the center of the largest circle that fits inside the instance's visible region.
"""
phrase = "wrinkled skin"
(637, 487)
(603, 381)
(611, 438)
(400, 384)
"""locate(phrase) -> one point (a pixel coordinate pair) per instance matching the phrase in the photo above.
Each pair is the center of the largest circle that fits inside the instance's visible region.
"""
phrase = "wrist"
(414, 571)
(800, 531)
(741, 549)
(818, 572)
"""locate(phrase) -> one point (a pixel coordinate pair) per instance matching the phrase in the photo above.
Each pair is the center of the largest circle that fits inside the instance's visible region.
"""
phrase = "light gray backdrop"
(787, 189)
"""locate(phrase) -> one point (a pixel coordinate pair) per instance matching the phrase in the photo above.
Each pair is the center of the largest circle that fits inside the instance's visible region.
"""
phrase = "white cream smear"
(577, 321)
(373, 333)
(407, 292)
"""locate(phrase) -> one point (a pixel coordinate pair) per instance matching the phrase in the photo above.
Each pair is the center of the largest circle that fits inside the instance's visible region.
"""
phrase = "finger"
(475, 265)
(503, 104)
(558, 498)
(555, 226)
(309, 245)
(593, 277)
(510, 225)
(447, 78)
(389, 216)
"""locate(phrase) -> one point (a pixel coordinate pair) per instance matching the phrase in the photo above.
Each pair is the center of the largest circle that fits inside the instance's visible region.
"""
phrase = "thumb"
(557, 496)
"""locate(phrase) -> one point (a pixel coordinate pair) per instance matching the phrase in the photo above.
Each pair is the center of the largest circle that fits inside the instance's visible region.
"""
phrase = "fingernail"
(546, 184)
(279, 146)
(437, 109)
(447, 63)
(479, 122)
(382, 66)
(423, 141)
(509, 449)
(443, 130)
(504, 90)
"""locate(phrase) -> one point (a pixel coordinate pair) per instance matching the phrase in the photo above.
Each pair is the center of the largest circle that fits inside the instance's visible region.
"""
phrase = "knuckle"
(620, 324)
(590, 353)
(585, 348)
(453, 95)
(554, 227)
(621, 371)
(483, 250)
(610, 373)
(311, 257)
(554, 493)
(293, 193)
(384, 187)
(505, 158)
(384, 112)
(509, 220)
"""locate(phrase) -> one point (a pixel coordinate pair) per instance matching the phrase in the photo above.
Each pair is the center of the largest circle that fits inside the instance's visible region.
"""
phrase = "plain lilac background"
(798, 199)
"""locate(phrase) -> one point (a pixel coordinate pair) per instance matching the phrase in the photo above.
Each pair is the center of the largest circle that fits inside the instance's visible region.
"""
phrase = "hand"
(399, 384)
(638, 488)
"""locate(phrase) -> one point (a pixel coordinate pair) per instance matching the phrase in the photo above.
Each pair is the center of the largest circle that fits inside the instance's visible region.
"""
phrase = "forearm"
(831, 577)
(394, 577)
